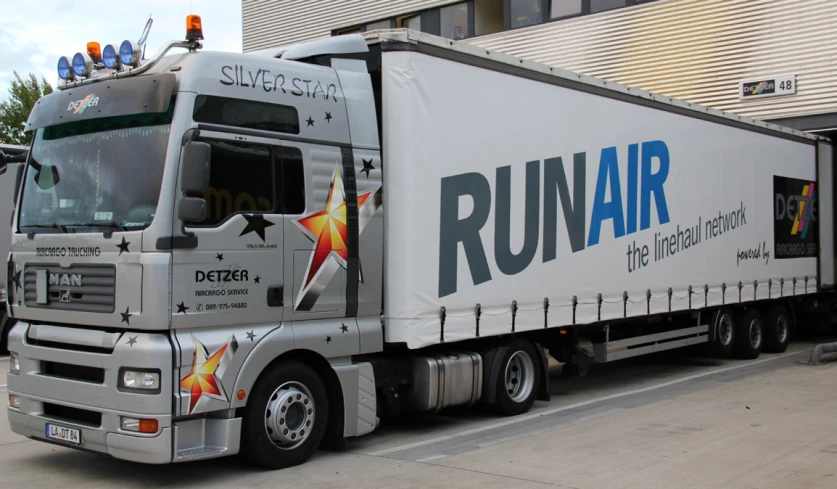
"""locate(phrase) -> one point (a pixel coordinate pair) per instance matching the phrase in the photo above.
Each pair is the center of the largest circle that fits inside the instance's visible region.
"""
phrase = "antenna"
(144, 36)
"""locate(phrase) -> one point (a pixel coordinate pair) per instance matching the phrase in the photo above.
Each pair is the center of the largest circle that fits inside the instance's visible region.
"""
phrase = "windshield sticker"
(103, 216)
(270, 82)
(79, 106)
(72, 251)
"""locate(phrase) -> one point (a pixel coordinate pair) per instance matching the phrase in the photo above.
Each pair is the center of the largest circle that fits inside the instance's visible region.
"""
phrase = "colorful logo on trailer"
(802, 219)
(795, 233)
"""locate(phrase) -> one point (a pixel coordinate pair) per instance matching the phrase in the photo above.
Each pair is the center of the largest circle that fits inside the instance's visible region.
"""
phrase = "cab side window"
(241, 180)
(292, 181)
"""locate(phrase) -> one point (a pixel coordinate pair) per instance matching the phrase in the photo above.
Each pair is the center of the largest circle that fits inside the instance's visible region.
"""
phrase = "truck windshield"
(102, 173)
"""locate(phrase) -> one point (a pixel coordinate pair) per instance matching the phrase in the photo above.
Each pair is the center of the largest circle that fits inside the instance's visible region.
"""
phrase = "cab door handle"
(275, 296)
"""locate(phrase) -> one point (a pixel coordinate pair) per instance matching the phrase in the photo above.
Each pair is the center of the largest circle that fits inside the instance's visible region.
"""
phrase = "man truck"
(221, 253)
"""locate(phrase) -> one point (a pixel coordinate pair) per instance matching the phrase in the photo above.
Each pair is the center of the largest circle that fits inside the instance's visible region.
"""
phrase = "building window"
(523, 13)
(564, 8)
(454, 21)
(602, 5)
(413, 23)
(381, 24)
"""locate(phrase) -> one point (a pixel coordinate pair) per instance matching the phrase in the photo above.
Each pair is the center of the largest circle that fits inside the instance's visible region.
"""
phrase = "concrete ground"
(658, 422)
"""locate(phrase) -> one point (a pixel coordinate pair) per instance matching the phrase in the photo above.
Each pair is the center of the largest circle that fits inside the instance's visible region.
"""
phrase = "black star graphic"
(181, 308)
(219, 256)
(17, 280)
(123, 247)
(328, 339)
(367, 167)
(328, 117)
(251, 336)
(257, 279)
(344, 329)
(310, 121)
(256, 223)
(131, 341)
(126, 316)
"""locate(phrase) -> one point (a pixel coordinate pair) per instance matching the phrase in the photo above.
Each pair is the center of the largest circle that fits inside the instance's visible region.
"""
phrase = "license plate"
(68, 435)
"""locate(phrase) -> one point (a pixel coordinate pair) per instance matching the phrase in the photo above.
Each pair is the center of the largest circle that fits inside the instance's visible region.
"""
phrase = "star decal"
(328, 117)
(131, 341)
(327, 229)
(256, 223)
(17, 280)
(251, 336)
(328, 339)
(181, 308)
(310, 121)
(126, 316)
(344, 329)
(203, 380)
(219, 256)
(123, 247)
(367, 167)
(257, 279)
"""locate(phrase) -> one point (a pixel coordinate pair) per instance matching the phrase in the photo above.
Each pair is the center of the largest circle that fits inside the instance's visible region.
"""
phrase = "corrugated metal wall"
(272, 23)
(698, 50)
(695, 50)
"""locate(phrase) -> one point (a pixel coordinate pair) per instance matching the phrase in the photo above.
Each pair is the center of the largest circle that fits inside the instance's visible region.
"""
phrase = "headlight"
(140, 380)
(14, 363)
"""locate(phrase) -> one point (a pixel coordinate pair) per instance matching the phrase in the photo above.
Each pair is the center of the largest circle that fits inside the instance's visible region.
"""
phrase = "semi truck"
(263, 253)
(11, 155)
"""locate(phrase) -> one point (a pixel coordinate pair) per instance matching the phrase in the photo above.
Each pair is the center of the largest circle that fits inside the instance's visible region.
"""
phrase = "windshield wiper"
(55, 225)
(113, 225)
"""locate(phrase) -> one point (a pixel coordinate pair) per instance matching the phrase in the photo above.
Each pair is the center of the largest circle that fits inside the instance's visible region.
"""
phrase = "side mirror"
(192, 209)
(195, 168)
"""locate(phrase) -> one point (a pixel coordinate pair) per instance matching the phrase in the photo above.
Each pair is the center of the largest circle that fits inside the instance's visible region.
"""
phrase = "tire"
(288, 395)
(519, 379)
(777, 327)
(723, 325)
(749, 334)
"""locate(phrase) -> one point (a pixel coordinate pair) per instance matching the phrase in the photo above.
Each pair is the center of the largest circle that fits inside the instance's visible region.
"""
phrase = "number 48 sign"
(767, 87)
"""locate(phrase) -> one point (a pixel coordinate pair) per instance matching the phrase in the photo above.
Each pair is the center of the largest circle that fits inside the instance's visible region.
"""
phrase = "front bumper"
(76, 386)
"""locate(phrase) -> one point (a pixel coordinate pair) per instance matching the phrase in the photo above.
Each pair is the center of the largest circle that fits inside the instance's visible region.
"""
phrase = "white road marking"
(547, 412)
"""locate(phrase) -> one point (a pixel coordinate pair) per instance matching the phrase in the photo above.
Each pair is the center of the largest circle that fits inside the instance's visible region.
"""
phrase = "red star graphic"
(202, 380)
(328, 228)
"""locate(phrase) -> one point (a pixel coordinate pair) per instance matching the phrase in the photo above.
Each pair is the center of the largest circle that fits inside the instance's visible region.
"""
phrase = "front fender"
(273, 344)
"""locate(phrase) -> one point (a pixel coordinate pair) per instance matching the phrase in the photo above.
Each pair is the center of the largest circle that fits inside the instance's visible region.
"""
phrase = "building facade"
(766, 59)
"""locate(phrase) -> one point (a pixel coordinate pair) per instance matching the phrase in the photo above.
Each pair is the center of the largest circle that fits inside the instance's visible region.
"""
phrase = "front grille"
(73, 372)
(85, 288)
(72, 415)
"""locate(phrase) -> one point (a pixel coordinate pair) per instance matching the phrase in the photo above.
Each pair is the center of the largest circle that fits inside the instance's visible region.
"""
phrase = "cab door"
(235, 274)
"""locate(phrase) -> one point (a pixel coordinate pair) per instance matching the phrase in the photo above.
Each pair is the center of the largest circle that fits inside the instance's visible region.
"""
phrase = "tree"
(14, 112)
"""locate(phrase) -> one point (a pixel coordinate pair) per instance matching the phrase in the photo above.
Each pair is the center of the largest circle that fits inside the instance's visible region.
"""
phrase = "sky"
(34, 34)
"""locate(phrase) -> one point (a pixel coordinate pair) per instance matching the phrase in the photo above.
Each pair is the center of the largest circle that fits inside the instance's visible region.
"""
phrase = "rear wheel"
(777, 329)
(749, 334)
(286, 416)
(519, 379)
(724, 327)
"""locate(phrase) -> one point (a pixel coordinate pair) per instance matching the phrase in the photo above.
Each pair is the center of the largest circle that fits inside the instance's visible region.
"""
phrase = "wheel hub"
(725, 330)
(289, 415)
(520, 376)
(755, 333)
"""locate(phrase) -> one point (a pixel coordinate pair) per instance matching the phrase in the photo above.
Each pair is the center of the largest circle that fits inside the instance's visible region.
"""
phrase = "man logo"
(71, 279)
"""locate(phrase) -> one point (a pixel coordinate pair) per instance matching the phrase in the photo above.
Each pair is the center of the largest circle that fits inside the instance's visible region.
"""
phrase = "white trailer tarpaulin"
(548, 206)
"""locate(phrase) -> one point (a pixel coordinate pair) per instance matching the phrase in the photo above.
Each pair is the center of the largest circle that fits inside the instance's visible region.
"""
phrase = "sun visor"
(108, 98)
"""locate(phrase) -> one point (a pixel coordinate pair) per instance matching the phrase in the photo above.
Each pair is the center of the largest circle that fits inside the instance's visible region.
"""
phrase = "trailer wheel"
(723, 326)
(519, 379)
(777, 329)
(749, 334)
(285, 418)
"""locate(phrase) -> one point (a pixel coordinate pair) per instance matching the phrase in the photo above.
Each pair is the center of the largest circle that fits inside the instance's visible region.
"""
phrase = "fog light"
(140, 425)
(14, 401)
(14, 363)
(138, 379)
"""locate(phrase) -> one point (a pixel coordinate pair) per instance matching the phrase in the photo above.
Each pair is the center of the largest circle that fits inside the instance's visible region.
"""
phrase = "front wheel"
(519, 379)
(285, 418)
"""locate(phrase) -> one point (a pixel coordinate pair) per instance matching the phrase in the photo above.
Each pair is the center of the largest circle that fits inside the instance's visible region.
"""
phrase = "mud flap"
(543, 389)
(491, 359)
